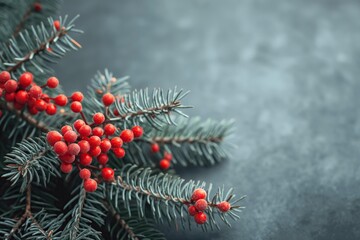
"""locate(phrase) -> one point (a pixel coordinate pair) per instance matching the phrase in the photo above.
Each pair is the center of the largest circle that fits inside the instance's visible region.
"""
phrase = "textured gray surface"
(287, 71)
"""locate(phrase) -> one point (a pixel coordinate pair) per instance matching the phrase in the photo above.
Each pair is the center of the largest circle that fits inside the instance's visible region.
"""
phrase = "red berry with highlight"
(116, 142)
(73, 149)
(201, 204)
(90, 185)
(66, 128)
(21, 96)
(127, 135)
(200, 218)
(85, 131)
(164, 164)
(198, 193)
(98, 131)
(85, 173)
(105, 145)
(10, 86)
(66, 167)
(192, 210)
(103, 158)
(35, 91)
(53, 136)
(52, 82)
(77, 96)
(138, 131)
(85, 159)
(67, 158)
(61, 100)
(107, 174)
(84, 146)
(224, 206)
(40, 105)
(98, 118)
(50, 109)
(4, 77)
(119, 152)
(25, 79)
(94, 141)
(57, 25)
(78, 124)
(155, 147)
(109, 129)
(9, 97)
(108, 99)
(96, 151)
(70, 136)
(60, 148)
(76, 107)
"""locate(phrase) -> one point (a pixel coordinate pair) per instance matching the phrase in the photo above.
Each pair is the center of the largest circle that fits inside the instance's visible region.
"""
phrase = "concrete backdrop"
(287, 71)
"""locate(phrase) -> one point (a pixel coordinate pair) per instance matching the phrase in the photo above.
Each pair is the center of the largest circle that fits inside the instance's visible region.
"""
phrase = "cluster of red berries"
(82, 142)
(25, 92)
(166, 160)
(199, 204)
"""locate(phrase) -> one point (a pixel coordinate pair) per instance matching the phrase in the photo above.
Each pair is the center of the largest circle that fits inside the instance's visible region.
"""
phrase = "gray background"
(287, 71)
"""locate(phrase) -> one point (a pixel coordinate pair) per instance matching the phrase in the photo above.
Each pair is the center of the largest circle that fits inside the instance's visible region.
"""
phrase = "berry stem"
(83, 117)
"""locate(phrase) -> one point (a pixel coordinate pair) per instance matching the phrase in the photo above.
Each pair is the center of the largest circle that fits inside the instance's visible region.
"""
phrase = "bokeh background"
(288, 71)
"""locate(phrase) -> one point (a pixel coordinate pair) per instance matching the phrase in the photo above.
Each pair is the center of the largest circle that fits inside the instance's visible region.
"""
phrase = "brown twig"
(23, 20)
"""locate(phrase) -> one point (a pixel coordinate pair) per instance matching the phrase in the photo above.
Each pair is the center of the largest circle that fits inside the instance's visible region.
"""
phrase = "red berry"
(98, 131)
(45, 97)
(9, 97)
(66, 167)
(107, 174)
(96, 151)
(67, 158)
(105, 145)
(40, 105)
(32, 110)
(73, 149)
(51, 109)
(155, 148)
(167, 156)
(98, 118)
(90, 185)
(18, 106)
(61, 100)
(35, 91)
(53, 136)
(138, 131)
(192, 210)
(70, 136)
(84, 146)
(200, 218)
(85, 131)
(94, 141)
(77, 96)
(37, 7)
(224, 206)
(116, 142)
(109, 129)
(127, 135)
(25, 79)
(78, 124)
(116, 112)
(85, 159)
(85, 173)
(21, 96)
(52, 82)
(119, 152)
(10, 86)
(57, 25)
(103, 158)
(76, 107)
(66, 128)
(4, 77)
(201, 204)
(198, 193)
(108, 99)
(60, 148)
(164, 164)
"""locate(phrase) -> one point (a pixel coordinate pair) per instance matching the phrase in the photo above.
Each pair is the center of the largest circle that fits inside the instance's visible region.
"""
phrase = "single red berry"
(40, 105)
(45, 97)
(167, 156)
(33, 110)
(155, 148)
(53, 136)
(51, 109)
(73, 149)
(108, 99)
(201, 204)
(138, 131)
(61, 100)
(105, 145)
(90, 185)
(192, 210)
(96, 151)
(21, 96)
(200, 218)
(4, 77)
(70, 136)
(52, 82)
(85, 173)
(18, 106)
(35, 91)
(76, 107)
(66, 167)
(10, 86)
(78, 124)
(57, 25)
(198, 193)
(85, 159)
(116, 142)
(77, 96)
(37, 7)
(224, 206)
(164, 164)
(25, 79)
(67, 158)
(84, 146)
(109, 129)
(119, 152)
(107, 174)
(98, 118)
(127, 135)
(60, 148)
(66, 128)
(98, 131)
(85, 131)
(94, 141)
(103, 158)
(116, 112)
(9, 97)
